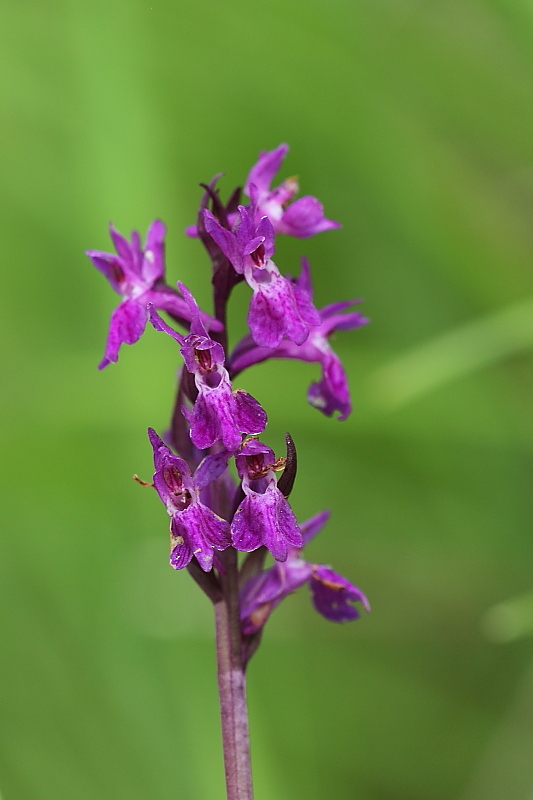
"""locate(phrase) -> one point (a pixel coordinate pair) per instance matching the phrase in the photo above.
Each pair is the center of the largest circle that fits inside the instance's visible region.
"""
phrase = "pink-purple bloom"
(278, 307)
(137, 273)
(219, 414)
(213, 517)
(301, 218)
(195, 530)
(333, 595)
(331, 393)
(264, 517)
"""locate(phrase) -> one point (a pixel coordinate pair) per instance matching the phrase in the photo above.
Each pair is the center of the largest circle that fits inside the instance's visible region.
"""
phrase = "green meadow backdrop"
(412, 120)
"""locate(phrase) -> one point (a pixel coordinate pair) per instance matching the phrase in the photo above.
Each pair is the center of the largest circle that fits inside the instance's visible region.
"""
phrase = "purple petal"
(127, 324)
(259, 596)
(245, 229)
(266, 230)
(304, 278)
(250, 416)
(110, 266)
(136, 252)
(201, 530)
(247, 526)
(180, 550)
(159, 447)
(266, 519)
(167, 299)
(213, 419)
(252, 245)
(153, 265)
(266, 167)
(304, 218)
(160, 325)
(204, 427)
(331, 393)
(211, 468)
(247, 353)
(334, 320)
(353, 320)
(123, 247)
(253, 447)
(306, 309)
(225, 239)
(312, 526)
(220, 415)
(197, 326)
(262, 593)
(201, 520)
(273, 311)
(172, 473)
(333, 595)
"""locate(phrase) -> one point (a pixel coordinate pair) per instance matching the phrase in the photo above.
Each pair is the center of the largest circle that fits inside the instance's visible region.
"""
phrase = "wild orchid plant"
(212, 519)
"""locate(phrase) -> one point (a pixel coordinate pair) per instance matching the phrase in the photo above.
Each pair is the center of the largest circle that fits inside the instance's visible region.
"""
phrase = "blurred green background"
(412, 121)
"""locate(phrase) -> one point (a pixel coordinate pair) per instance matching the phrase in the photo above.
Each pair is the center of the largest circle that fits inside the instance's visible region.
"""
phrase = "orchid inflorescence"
(211, 417)
(211, 517)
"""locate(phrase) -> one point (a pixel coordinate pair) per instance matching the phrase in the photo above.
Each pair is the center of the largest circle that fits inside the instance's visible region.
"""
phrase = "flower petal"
(333, 595)
(153, 265)
(262, 173)
(202, 530)
(312, 526)
(110, 266)
(331, 393)
(160, 325)
(304, 218)
(266, 519)
(225, 239)
(210, 468)
(127, 324)
(273, 311)
(122, 246)
(212, 420)
(250, 416)
(180, 550)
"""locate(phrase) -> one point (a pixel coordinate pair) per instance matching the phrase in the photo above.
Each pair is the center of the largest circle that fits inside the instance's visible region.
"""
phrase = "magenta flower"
(331, 393)
(195, 530)
(218, 414)
(303, 218)
(333, 596)
(219, 511)
(137, 274)
(264, 517)
(278, 308)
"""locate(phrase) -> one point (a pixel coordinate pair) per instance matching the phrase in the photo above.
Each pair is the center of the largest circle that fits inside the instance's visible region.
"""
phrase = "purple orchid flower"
(137, 274)
(331, 393)
(278, 307)
(303, 218)
(264, 517)
(218, 414)
(195, 530)
(333, 596)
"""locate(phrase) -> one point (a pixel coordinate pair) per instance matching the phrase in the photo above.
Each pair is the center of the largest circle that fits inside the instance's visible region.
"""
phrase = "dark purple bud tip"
(286, 482)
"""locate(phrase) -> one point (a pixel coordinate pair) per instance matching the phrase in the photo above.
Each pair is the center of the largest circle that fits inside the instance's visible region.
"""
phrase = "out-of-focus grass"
(412, 122)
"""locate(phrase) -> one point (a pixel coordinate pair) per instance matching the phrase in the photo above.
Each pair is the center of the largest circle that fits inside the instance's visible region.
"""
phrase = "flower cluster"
(215, 422)
(138, 275)
(333, 596)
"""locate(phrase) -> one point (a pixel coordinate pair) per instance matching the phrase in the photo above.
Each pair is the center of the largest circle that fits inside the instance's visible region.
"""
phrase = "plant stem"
(232, 685)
